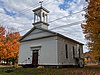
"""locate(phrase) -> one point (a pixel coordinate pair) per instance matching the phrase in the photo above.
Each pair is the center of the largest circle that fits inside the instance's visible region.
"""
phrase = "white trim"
(35, 47)
(38, 45)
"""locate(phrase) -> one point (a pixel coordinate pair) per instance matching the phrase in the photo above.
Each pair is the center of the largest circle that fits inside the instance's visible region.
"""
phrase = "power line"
(47, 3)
(59, 18)
(23, 30)
(37, 4)
(68, 25)
(24, 10)
(62, 30)
(65, 16)
(73, 13)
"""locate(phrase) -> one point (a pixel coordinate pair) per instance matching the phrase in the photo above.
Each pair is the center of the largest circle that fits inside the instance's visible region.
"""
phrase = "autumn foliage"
(9, 44)
(92, 27)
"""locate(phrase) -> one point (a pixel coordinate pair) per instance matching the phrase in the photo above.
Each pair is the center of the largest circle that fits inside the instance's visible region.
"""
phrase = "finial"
(41, 3)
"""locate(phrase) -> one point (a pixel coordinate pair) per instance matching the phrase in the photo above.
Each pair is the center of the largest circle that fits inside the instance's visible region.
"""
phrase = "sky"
(17, 14)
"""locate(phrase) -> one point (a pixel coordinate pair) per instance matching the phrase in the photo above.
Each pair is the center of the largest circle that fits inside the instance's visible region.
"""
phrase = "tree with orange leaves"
(92, 27)
(12, 45)
(2, 40)
(9, 45)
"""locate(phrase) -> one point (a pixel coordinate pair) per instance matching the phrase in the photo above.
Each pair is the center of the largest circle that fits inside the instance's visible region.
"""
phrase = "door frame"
(35, 48)
(35, 60)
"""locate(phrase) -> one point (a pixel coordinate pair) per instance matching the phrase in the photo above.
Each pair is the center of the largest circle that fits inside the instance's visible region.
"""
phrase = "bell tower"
(41, 17)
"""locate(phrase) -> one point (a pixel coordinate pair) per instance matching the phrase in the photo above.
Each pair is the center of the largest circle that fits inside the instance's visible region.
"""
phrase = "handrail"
(26, 59)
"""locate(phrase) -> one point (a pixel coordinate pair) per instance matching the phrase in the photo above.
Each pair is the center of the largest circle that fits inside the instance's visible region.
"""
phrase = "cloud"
(2, 10)
(18, 14)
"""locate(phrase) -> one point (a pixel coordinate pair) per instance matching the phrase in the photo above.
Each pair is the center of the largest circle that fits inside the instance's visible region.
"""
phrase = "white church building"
(40, 46)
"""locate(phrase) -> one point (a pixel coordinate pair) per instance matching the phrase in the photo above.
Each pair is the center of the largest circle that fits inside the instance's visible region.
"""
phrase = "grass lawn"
(88, 70)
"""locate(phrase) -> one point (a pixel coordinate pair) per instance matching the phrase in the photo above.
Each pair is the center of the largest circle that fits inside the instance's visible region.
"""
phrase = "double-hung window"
(66, 48)
(73, 52)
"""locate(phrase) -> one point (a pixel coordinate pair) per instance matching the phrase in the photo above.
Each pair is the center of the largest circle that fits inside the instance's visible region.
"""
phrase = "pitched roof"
(57, 34)
(41, 8)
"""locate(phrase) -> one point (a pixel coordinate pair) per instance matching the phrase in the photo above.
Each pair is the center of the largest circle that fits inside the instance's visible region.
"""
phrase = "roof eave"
(26, 34)
(40, 8)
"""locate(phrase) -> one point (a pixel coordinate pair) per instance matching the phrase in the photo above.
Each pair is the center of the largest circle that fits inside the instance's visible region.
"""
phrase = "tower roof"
(40, 8)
